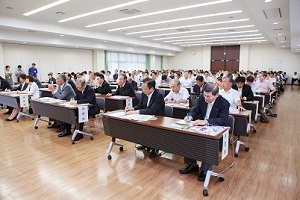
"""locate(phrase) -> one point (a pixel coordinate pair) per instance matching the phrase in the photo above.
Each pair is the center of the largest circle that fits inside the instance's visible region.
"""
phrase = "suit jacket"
(197, 89)
(126, 90)
(5, 85)
(156, 105)
(103, 89)
(72, 84)
(20, 87)
(64, 92)
(88, 96)
(134, 85)
(52, 80)
(219, 112)
(246, 92)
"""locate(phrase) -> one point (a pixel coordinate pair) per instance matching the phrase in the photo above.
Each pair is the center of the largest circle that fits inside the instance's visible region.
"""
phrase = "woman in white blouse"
(32, 90)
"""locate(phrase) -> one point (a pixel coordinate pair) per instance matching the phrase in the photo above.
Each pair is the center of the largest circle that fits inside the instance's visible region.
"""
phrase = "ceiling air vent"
(273, 13)
(183, 29)
(277, 29)
(281, 38)
(129, 11)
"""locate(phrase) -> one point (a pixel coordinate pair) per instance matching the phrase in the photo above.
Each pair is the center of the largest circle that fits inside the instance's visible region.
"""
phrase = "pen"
(188, 118)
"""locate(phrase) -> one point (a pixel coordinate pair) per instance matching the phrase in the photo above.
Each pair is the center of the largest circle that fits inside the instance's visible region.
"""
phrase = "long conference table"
(60, 111)
(160, 134)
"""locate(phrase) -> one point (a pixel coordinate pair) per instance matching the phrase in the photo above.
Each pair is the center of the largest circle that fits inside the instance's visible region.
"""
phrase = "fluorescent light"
(160, 12)
(62, 35)
(56, 3)
(281, 41)
(275, 23)
(102, 10)
(202, 30)
(220, 37)
(267, 1)
(279, 34)
(207, 34)
(297, 49)
(187, 26)
(214, 43)
(221, 40)
(177, 20)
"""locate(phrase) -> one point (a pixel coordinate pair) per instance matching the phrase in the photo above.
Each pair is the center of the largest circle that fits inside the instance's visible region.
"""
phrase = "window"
(125, 61)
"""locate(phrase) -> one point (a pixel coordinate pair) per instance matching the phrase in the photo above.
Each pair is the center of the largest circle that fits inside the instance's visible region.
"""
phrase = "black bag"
(264, 117)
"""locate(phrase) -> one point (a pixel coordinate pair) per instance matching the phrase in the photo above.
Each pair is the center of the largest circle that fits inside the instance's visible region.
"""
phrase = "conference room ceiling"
(160, 27)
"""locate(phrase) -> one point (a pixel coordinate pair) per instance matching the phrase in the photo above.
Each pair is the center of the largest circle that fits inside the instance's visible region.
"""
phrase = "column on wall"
(1, 60)
(206, 51)
(244, 57)
(99, 57)
(148, 62)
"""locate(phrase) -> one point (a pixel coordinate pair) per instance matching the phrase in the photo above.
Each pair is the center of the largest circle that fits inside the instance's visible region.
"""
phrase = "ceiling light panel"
(161, 12)
(202, 30)
(51, 5)
(188, 26)
(177, 20)
(221, 40)
(207, 34)
(103, 10)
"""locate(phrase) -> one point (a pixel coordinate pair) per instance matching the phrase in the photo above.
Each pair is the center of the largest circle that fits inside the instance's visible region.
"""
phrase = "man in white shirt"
(295, 78)
(177, 94)
(186, 81)
(264, 86)
(157, 79)
(231, 95)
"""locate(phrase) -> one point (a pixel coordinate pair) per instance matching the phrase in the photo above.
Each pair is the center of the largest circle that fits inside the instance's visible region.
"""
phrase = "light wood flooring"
(36, 164)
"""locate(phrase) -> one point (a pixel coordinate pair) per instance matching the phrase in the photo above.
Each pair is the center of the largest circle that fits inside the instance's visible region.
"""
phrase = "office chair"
(168, 111)
(100, 101)
(230, 123)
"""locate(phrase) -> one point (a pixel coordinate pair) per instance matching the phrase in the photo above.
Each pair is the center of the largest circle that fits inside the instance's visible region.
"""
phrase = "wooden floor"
(36, 164)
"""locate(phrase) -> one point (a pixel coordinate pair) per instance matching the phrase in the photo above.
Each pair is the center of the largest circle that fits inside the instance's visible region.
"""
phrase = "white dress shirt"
(182, 94)
(232, 96)
(33, 90)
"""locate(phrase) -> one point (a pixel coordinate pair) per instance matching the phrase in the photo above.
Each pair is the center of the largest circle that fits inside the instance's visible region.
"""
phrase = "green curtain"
(148, 62)
(105, 61)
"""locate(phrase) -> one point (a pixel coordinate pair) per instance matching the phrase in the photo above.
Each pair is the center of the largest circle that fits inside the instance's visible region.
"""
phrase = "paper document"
(116, 114)
(138, 117)
(209, 130)
(181, 122)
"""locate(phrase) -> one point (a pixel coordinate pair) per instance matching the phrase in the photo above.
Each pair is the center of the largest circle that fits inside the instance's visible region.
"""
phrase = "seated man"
(124, 88)
(84, 94)
(177, 94)
(209, 101)
(133, 83)
(198, 87)
(231, 95)
(263, 85)
(244, 90)
(63, 91)
(251, 83)
(152, 103)
(102, 86)
(51, 79)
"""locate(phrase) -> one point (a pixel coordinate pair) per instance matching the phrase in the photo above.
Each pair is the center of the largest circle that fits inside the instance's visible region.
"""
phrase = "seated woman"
(32, 90)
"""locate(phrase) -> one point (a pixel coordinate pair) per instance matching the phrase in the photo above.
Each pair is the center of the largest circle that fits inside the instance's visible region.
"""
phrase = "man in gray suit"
(64, 91)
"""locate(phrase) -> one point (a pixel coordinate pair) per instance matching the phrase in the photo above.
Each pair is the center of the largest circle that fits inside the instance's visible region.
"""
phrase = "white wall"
(47, 59)
(251, 57)
(185, 59)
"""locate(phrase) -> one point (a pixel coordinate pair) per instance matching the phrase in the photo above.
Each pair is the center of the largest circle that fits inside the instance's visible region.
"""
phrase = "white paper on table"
(233, 111)
(129, 103)
(83, 113)
(24, 100)
(225, 144)
(138, 117)
(181, 122)
(209, 130)
(116, 114)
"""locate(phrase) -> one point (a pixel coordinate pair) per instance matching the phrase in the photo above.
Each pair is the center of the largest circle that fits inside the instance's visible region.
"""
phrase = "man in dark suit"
(213, 110)
(102, 86)
(4, 84)
(244, 90)
(70, 81)
(22, 86)
(85, 94)
(124, 88)
(152, 103)
(198, 87)
(63, 91)
(51, 79)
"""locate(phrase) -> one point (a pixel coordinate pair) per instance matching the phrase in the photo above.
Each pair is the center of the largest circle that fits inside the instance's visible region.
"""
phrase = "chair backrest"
(168, 111)
(138, 96)
(100, 101)
(162, 91)
(230, 123)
